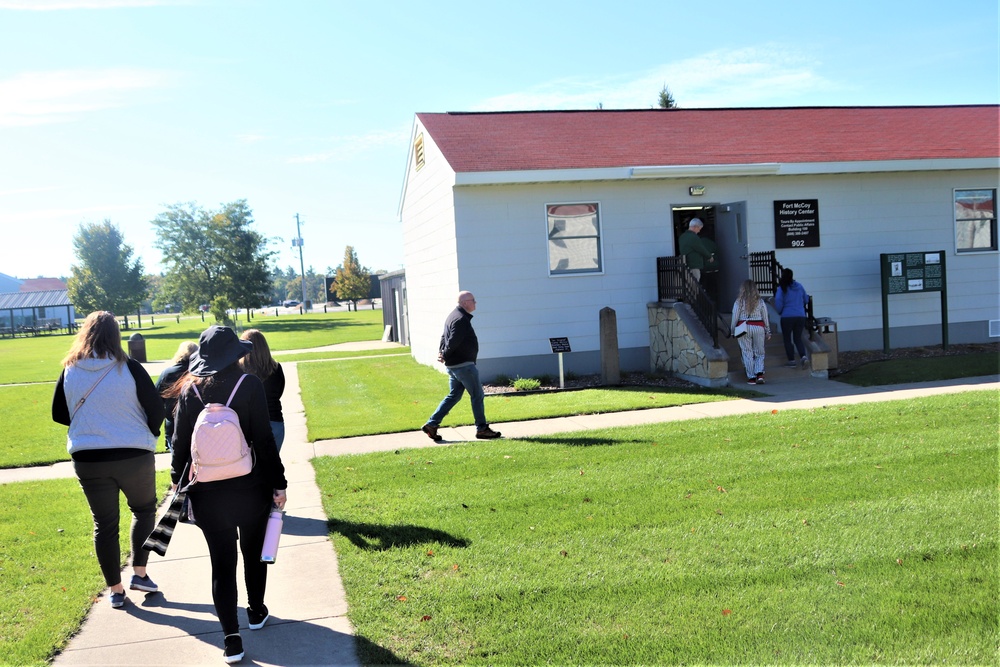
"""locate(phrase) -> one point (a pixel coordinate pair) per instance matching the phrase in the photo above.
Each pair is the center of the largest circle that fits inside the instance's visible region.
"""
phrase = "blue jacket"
(791, 303)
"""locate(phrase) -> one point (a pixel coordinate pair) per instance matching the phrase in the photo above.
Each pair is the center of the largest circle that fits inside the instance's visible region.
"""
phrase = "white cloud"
(350, 146)
(55, 5)
(36, 98)
(722, 78)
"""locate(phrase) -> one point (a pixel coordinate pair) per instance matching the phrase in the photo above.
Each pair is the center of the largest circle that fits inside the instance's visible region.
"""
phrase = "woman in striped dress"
(750, 308)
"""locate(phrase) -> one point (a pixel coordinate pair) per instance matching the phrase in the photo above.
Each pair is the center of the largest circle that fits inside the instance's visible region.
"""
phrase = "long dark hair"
(786, 279)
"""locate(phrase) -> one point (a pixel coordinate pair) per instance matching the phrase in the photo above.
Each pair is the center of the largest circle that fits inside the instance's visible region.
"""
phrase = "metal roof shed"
(32, 311)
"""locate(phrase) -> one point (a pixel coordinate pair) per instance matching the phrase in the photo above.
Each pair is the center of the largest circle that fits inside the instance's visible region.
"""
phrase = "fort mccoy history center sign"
(796, 223)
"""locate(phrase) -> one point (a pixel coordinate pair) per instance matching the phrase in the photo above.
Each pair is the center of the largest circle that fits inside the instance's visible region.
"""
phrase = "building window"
(975, 220)
(574, 239)
(418, 152)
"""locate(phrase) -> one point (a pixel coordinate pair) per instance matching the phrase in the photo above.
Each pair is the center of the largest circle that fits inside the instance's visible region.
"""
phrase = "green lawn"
(36, 359)
(860, 534)
(394, 394)
(900, 371)
(49, 577)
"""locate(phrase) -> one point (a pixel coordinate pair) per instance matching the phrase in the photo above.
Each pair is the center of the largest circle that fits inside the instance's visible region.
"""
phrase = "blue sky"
(115, 109)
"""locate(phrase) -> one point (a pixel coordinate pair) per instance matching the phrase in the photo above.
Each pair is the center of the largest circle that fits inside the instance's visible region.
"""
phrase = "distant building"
(42, 284)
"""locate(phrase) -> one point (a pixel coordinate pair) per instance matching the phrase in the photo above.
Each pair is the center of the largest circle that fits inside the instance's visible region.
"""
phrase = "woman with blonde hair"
(114, 414)
(167, 379)
(260, 363)
(752, 310)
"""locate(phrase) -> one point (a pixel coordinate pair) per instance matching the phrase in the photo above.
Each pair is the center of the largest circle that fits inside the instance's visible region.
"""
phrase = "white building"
(548, 217)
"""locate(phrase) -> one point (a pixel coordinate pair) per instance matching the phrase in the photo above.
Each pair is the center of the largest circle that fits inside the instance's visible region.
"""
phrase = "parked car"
(290, 304)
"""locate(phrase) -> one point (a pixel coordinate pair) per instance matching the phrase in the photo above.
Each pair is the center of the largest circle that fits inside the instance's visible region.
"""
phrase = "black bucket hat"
(218, 347)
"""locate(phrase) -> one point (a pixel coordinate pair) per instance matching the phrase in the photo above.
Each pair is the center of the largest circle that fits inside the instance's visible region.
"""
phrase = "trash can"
(137, 347)
(827, 329)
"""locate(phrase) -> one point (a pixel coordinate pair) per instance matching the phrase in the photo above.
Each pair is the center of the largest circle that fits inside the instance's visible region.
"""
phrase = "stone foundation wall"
(678, 345)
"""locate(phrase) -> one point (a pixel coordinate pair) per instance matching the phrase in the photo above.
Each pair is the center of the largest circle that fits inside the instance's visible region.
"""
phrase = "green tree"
(665, 100)
(354, 281)
(212, 254)
(107, 277)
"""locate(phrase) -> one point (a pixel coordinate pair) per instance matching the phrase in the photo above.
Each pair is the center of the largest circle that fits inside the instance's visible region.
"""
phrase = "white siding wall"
(429, 249)
(503, 259)
(502, 253)
(863, 216)
(499, 252)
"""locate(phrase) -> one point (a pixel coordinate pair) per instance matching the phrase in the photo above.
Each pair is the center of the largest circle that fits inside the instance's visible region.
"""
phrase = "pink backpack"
(219, 449)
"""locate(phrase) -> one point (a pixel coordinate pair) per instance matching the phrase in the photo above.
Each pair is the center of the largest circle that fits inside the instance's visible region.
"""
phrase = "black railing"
(765, 271)
(674, 281)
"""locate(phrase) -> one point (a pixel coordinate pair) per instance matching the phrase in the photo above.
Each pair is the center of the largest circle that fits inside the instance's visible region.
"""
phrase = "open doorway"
(726, 226)
(682, 216)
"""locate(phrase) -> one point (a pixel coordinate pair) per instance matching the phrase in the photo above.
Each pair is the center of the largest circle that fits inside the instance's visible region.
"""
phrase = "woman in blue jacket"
(790, 302)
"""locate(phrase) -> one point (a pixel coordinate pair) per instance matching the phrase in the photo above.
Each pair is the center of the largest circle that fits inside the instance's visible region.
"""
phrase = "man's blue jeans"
(462, 379)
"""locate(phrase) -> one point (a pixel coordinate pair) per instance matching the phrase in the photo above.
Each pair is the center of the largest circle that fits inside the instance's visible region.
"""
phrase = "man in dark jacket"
(458, 351)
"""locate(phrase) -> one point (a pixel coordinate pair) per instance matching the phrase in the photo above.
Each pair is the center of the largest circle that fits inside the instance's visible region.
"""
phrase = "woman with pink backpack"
(229, 509)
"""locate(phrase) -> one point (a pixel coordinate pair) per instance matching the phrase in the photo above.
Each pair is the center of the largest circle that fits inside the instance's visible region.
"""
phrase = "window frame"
(598, 237)
(994, 247)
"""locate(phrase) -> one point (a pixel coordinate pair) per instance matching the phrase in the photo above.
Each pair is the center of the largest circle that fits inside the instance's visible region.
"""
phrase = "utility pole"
(297, 241)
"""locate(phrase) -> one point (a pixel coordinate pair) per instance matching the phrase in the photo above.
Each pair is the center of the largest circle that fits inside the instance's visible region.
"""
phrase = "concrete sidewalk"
(309, 624)
(177, 626)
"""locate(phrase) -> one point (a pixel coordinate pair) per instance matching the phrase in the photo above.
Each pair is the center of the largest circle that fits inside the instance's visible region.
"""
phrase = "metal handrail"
(674, 281)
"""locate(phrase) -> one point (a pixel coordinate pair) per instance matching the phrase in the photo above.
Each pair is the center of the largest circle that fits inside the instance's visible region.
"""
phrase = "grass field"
(862, 534)
(36, 359)
(394, 394)
(49, 577)
(28, 436)
(899, 371)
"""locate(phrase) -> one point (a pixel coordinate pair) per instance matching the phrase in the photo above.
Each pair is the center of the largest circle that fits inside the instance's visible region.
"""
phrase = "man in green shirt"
(694, 249)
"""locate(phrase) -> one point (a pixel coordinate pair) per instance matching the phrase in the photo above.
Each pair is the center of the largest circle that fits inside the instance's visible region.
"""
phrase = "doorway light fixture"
(696, 190)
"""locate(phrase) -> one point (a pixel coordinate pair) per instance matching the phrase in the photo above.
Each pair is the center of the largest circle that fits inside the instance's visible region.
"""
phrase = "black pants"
(791, 335)
(228, 516)
(102, 481)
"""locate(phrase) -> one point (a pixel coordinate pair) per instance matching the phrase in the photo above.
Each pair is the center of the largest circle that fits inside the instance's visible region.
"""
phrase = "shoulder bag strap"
(83, 399)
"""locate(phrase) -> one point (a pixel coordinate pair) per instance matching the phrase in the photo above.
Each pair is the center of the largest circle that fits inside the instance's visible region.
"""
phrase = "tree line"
(213, 257)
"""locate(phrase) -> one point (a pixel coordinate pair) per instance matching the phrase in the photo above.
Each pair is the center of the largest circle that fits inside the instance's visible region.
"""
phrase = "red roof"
(530, 140)
(41, 284)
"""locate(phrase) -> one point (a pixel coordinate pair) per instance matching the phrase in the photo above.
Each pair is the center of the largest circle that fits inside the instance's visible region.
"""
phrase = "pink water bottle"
(271, 536)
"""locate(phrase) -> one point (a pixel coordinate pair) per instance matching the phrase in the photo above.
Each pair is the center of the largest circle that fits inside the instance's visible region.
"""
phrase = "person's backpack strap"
(235, 389)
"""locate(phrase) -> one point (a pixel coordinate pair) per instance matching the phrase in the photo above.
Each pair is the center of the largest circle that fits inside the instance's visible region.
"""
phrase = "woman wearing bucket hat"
(235, 509)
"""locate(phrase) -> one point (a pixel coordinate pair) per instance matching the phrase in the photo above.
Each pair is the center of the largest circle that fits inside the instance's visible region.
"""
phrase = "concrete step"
(774, 358)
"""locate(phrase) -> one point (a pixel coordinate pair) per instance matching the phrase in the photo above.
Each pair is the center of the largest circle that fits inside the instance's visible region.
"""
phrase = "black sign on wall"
(796, 223)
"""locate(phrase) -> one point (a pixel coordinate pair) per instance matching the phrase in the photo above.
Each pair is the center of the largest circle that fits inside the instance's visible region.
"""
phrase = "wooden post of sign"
(560, 345)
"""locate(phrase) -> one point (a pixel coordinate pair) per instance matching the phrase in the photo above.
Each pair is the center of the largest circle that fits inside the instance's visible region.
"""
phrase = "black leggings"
(102, 482)
(225, 516)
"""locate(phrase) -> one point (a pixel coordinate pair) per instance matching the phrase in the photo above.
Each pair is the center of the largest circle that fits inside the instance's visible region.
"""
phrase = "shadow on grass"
(579, 441)
(376, 537)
